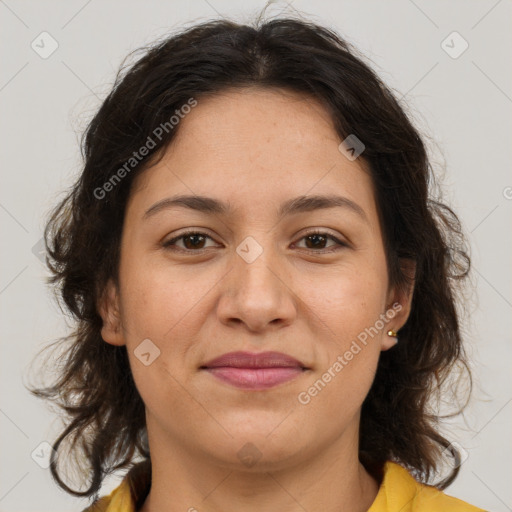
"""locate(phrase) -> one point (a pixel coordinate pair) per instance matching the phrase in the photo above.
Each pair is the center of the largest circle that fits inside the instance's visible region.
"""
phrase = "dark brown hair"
(104, 412)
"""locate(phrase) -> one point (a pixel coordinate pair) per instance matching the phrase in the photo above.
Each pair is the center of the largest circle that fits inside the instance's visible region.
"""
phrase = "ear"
(399, 302)
(108, 308)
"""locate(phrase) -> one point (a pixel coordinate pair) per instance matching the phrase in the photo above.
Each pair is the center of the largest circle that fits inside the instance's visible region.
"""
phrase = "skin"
(255, 148)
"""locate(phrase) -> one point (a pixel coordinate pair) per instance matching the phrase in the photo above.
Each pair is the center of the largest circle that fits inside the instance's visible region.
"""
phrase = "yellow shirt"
(398, 492)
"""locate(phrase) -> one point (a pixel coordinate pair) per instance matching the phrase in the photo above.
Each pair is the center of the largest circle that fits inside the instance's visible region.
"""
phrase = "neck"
(333, 480)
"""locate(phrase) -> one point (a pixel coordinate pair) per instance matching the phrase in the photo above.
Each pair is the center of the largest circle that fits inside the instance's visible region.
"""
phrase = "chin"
(260, 443)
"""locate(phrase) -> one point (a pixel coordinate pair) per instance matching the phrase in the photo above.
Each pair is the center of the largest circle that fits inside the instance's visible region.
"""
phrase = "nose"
(257, 295)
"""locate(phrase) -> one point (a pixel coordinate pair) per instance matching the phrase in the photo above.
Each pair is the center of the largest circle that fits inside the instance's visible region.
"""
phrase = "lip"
(255, 370)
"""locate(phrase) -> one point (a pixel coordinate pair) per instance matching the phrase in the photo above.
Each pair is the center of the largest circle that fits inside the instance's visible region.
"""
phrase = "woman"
(265, 292)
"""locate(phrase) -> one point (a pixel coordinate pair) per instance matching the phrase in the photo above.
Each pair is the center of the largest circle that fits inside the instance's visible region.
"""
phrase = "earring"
(392, 333)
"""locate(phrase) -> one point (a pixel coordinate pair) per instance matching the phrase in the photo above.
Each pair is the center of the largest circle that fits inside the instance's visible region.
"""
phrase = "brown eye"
(193, 241)
(316, 241)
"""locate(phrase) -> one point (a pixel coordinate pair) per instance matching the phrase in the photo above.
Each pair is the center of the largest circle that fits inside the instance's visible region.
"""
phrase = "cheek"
(348, 344)
(157, 308)
(350, 298)
(157, 298)
(336, 395)
(350, 305)
(162, 303)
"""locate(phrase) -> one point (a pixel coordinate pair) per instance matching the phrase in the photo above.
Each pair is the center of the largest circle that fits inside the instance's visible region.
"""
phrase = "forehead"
(252, 120)
(254, 144)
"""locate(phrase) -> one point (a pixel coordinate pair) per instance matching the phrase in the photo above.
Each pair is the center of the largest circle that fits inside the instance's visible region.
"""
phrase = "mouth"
(259, 371)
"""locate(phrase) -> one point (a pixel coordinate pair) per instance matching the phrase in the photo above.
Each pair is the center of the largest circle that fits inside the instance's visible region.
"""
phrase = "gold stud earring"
(392, 333)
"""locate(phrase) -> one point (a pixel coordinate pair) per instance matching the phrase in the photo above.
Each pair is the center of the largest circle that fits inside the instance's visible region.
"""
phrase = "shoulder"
(130, 493)
(119, 500)
(400, 491)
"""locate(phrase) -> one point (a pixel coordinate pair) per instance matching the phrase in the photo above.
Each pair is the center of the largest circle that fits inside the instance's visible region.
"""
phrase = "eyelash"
(169, 243)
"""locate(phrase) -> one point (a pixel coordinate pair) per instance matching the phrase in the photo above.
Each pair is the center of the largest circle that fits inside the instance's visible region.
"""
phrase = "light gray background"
(464, 104)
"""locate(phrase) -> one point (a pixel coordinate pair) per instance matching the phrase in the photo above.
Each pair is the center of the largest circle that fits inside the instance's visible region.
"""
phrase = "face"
(262, 272)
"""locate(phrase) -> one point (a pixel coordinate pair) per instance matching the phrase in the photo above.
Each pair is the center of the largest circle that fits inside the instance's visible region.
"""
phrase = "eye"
(316, 240)
(193, 241)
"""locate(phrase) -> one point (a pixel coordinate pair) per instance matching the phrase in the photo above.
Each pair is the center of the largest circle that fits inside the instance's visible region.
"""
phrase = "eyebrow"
(297, 205)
